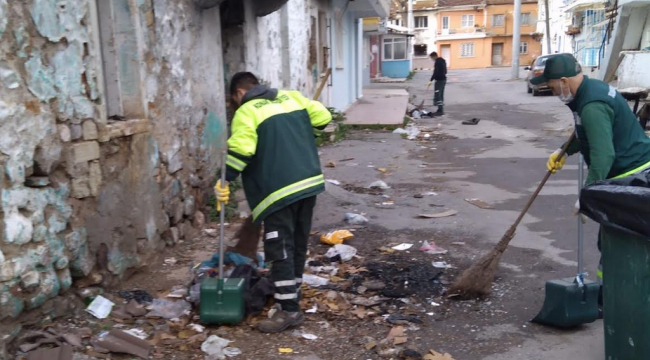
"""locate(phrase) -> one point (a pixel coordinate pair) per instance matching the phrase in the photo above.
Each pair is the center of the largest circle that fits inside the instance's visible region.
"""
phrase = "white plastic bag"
(347, 252)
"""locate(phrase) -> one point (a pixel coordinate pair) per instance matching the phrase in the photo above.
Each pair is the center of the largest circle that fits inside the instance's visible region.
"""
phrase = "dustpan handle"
(222, 215)
(580, 227)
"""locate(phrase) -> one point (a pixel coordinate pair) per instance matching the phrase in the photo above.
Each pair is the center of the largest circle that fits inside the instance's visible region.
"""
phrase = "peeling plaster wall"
(80, 193)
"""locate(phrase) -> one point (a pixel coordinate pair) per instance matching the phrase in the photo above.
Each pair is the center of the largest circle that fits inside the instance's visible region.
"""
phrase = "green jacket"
(610, 138)
(273, 147)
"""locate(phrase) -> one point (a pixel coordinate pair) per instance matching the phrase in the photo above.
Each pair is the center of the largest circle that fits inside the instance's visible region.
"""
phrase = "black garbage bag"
(257, 289)
(623, 203)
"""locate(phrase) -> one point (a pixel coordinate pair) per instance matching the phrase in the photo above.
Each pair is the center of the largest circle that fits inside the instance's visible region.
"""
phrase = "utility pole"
(516, 39)
(411, 26)
(548, 27)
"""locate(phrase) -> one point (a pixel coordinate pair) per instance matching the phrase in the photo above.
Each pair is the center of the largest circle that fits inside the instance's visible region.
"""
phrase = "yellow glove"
(222, 192)
(554, 164)
(429, 84)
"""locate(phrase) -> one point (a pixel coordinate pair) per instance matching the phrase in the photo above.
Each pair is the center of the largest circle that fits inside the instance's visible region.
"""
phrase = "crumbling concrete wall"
(81, 192)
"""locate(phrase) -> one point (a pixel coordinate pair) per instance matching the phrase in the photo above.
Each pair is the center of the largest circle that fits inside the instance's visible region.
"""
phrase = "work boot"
(440, 112)
(281, 321)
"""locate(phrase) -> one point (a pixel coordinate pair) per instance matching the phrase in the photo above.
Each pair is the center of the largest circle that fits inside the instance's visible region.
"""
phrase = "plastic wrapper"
(623, 203)
(336, 237)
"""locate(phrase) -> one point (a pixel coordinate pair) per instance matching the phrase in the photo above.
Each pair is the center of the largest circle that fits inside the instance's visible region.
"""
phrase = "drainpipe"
(411, 26)
(516, 39)
(548, 27)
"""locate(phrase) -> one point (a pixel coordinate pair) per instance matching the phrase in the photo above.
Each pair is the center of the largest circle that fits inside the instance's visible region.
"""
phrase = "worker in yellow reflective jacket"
(273, 147)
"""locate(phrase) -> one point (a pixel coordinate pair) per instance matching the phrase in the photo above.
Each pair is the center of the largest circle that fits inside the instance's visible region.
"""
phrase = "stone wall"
(111, 129)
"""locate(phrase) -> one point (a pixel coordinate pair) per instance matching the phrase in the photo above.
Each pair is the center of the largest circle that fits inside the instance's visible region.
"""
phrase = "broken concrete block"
(199, 220)
(176, 210)
(189, 206)
(64, 133)
(18, 229)
(37, 181)
(89, 130)
(80, 188)
(30, 280)
(76, 132)
(175, 163)
(85, 151)
(10, 306)
(195, 181)
(95, 178)
(61, 264)
(187, 231)
(65, 279)
(83, 264)
(7, 271)
(47, 155)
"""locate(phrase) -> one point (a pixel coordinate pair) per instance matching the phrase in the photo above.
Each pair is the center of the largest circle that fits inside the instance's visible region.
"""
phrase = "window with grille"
(467, 50)
(525, 19)
(420, 50)
(395, 49)
(421, 22)
(523, 47)
(467, 21)
(498, 20)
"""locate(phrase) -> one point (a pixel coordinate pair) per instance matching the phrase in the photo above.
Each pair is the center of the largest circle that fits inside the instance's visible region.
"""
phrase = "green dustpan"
(573, 301)
(222, 300)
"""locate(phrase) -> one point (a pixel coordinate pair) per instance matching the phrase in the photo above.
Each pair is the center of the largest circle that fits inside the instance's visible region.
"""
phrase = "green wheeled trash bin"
(626, 294)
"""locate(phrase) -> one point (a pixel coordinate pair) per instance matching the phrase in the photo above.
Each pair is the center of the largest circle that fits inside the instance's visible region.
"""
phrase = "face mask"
(565, 98)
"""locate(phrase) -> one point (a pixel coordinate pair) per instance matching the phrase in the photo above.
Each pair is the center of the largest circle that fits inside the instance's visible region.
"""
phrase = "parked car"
(536, 68)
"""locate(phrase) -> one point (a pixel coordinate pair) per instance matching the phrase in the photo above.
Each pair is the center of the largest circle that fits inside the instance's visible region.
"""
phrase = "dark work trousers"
(439, 94)
(286, 234)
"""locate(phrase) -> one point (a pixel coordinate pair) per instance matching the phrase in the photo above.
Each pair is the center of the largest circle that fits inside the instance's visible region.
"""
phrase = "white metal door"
(445, 25)
(445, 52)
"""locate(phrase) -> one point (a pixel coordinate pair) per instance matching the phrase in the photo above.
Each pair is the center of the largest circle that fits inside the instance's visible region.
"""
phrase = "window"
(523, 47)
(395, 49)
(467, 50)
(467, 21)
(525, 19)
(498, 20)
(420, 50)
(421, 22)
(396, 22)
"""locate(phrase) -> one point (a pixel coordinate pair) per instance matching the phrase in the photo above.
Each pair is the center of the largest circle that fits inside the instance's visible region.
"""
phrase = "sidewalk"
(378, 106)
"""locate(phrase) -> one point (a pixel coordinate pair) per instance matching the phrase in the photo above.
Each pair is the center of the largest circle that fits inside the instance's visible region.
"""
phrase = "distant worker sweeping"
(273, 147)
(440, 77)
(608, 134)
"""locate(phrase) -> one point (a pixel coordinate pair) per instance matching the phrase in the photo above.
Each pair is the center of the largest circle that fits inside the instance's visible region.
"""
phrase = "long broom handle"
(222, 216)
(512, 229)
(322, 83)
(580, 230)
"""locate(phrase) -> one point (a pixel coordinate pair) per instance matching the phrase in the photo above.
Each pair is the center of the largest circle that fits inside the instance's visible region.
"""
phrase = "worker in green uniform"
(609, 136)
(273, 147)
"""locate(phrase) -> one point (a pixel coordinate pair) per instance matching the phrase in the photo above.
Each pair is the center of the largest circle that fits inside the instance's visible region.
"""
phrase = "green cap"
(557, 67)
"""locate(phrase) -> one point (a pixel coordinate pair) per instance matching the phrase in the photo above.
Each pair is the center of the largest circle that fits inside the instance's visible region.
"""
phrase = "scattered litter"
(135, 309)
(410, 354)
(397, 331)
(399, 319)
(214, 347)
(368, 302)
(400, 340)
(232, 351)
(211, 232)
(441, 265)
(472, 121)
(416, 114)
(100, 307)
(402, 247)
(433, 303)
(426, 136)
(330, 164)
(333, 182)
(171, 261)
(411, 132)
(304, 335)
(379, 185)
(314, 281)
(438, 215)
(479, 203)
(432, 355)
(382, 170)
(139, 333)
(458, 243)
(63, 352)
(285, 350)
(178, 292)
(346, 159)
(196, 327)
(371, 345)
(119, 341)
(355, 219)
(432, 248)
(388, 203)
(374, 285)
(430, 193)
(313, 310)
(351, 164)
(169, 309)
(346, 252)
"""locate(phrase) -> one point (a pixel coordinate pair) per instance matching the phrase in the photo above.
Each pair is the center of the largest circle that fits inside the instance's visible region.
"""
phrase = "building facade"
(478, 34)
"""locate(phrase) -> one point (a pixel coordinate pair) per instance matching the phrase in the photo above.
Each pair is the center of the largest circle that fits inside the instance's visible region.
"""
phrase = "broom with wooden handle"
(476, 281)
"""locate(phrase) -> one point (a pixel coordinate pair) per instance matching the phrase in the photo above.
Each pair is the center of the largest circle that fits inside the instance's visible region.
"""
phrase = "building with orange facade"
(478, 33)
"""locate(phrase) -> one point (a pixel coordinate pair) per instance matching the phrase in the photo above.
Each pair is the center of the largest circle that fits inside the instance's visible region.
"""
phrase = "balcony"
(370, 8)
(462, 33)
(573, 30)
